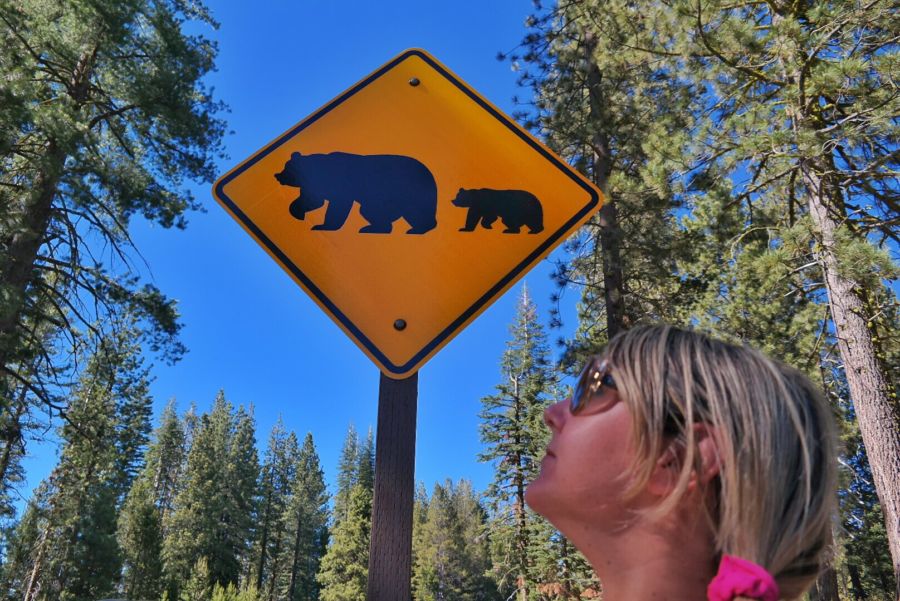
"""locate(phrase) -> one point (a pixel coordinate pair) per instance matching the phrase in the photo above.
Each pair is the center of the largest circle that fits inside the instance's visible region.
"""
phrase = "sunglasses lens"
(576, 403)
(592, 380)
(584, 387)
(608, 381)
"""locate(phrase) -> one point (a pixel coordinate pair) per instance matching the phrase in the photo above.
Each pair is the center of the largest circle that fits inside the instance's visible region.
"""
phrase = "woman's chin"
(537, 492)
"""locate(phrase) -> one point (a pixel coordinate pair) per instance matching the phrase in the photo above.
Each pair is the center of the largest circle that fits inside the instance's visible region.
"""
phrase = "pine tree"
(753, 291)
(623, 120)
(148, 506)
(436, 572)
(214, 509)
(365, 471)
(452, 556)
(343, 575)
(244, 474)
(76, 554)
(305, 532)
(103, 117)
(197, 587)
(140, 540)
(192, 530)
(13, 426)
(419, 538)
(166, 459)
(866, 556)
(279, 472)
(475, 562)
(348, 473)
(18, 559)
(514, 443)
(811, 127)
(233, 593)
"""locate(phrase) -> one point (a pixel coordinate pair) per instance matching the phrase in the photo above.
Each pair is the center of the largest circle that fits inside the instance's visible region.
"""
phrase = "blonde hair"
(775, 435)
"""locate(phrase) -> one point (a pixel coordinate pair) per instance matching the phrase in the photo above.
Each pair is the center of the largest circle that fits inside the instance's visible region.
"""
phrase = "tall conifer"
(812, 127)
(140, 539)
(279, 473)
(623, 120)
(305, 532)
(213, 516)
(365, 472)
(452, 554)
(103, 118)
(76, 554)
(343, 575)
(348, 473)
(514, 439)
(148, 506)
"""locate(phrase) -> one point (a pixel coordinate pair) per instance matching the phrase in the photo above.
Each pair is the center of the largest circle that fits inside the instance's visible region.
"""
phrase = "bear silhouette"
(514, 207)
(386, 186)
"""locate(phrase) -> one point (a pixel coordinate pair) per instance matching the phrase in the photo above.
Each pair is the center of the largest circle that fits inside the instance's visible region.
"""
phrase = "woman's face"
(587, 467)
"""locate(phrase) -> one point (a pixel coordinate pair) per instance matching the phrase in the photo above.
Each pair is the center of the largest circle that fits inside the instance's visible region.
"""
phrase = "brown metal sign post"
(390, 550)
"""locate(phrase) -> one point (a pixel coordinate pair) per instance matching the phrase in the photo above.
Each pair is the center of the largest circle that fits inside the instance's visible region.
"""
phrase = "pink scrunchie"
(741, 578)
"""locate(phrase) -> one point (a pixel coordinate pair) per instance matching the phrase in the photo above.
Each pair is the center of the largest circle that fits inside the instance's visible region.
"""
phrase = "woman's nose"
(554, 415)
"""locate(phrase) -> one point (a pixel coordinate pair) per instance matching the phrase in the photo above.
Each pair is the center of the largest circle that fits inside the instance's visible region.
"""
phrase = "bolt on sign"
(405, 206)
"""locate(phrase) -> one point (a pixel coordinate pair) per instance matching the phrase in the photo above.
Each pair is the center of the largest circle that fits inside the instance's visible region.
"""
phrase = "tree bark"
(22, 247)
(264, 542)
(12, 434)
(17, 272)
(33, 587)
(610, 231)
(274, 567)
(296, 556)
(859, 593)
(876, 405)
(519, 507)
(826, 587)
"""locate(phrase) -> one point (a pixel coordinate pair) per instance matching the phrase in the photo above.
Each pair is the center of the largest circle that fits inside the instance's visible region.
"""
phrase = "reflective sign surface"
(405, 206)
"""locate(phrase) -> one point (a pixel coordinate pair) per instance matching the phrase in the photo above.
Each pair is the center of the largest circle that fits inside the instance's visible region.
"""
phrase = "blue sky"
(249, 329)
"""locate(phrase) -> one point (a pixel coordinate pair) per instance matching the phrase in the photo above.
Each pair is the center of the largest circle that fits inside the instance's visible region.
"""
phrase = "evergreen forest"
(749, 154)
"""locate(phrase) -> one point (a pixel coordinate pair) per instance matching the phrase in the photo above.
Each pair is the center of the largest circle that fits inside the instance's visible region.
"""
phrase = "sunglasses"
(594, 378)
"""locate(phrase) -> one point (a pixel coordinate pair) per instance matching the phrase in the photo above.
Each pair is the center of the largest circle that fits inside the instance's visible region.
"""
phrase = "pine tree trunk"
(33, 588)
(12, 435)
(22, 249)
(263, 543)
(519, 507)
(274, 568)
(876, 405)
(295, 557)
(859, 593)
(23, 244)
(521, 536)
(610, 231)
(826, 587)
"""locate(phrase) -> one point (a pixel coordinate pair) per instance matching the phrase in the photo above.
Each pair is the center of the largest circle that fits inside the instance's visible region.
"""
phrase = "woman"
(684, 467)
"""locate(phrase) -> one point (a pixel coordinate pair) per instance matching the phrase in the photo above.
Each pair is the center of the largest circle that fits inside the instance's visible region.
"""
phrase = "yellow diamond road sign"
(405, 206)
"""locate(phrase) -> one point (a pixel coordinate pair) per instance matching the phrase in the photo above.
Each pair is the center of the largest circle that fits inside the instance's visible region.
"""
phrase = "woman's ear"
(709, 463)
(665, 474)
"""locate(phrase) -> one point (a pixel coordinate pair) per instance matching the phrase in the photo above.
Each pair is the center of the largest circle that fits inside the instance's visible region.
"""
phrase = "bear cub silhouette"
(514, 207)
(386, 186)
